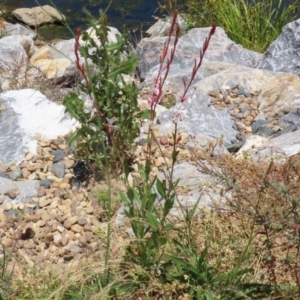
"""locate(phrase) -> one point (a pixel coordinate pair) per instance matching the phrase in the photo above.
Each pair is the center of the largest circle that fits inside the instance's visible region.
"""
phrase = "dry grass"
(17, 73)
(258, 229)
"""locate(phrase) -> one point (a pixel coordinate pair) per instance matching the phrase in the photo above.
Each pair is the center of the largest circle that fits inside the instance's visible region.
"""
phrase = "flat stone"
(69, 222)
(76, 228)
(44, 201)
(37, 16)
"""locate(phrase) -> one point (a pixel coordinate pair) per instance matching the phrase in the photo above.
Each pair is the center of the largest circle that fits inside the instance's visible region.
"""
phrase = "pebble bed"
(60, 223)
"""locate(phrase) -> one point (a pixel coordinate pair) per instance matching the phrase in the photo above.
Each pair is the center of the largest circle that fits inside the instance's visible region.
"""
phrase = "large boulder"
(25, 114)
(283, 54)
(37, 16)
(14, 50)
(17, 29)
(221, 49)
(58, 61)
(162, 26)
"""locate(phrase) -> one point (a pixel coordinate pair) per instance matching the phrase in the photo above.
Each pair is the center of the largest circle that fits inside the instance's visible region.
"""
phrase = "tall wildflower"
(165, 60)
(180, 109)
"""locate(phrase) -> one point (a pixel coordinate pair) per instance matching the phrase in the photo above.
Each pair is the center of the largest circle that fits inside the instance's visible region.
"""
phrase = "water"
(133, 15)
(122, 14)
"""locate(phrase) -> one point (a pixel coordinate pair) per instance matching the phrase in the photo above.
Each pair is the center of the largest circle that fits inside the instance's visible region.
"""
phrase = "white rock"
(251, 144)
(25, 114)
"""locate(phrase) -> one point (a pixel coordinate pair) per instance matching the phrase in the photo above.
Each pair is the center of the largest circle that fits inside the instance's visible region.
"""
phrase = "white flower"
(89, 107)
(179, 112)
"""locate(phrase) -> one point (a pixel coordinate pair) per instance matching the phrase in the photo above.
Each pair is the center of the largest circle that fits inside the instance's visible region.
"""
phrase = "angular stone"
(58, 170)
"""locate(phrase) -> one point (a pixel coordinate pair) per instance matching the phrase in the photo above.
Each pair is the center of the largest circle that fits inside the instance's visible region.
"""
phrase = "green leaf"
(126, 171)
(169, 205)
(174, 155)
(123, 197)
(208, 295)
(145, 114)
(147, 169)
(161, 188)
(191, 213)
(169, 227)
(162, 241)
(150, 201)
(130, 194)
(152, 220)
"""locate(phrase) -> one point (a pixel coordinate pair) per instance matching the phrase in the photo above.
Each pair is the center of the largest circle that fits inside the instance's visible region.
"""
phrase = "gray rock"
(37, 16)
(206, 120)
(18, 29)
(58, 170)
(265, 131)
(27, 189)
(4, 175)
(162, 26)
(27, 113)
(58, 155)
(13, 213)
(46, 183)
(283, 54)
(221, 49)
(280, 147)
(258, 124)
(15, 174)
(14, 51)
(290, 128)
(293, 117)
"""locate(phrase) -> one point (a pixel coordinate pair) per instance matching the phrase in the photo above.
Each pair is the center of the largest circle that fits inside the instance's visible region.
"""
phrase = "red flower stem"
(197, 66)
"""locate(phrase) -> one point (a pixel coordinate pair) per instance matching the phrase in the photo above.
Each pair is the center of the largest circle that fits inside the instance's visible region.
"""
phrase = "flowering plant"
(106, 107)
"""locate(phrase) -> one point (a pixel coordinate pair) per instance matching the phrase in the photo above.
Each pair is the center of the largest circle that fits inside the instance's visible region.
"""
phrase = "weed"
(110, 112)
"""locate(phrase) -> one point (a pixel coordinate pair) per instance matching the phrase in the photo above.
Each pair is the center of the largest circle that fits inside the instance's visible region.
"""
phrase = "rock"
(12, 194)
(7, 206)
(37, 16)
(280, 147)
(58, 155)
(7, 242)
(55, 68)
(26, 113)
(57, 239)
(2, 217)
(74, 248)
(27, 189)
(69, 222)
(252, 143)
(76, 228)
(221, 49)
(58, 170)
(45, 183)
(82, 221)
(15, 174)
(44, 201)
(282, 54)
(14, 51)
(162, 27)
(18, 29)
(64, 240)
(163, 140)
